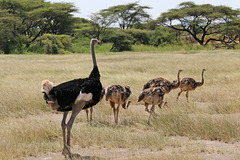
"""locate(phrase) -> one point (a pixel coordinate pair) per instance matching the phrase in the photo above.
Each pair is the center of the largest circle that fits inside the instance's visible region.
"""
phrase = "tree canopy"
(127, 15)
(27, 20)
(199, 21)
(38, 26)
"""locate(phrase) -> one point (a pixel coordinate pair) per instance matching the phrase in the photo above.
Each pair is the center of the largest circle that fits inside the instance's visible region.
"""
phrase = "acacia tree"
(23, 21)
(8, 31)
(200, 21)
(232, 29)
(127, 15)
(100, 23)
(49, 18)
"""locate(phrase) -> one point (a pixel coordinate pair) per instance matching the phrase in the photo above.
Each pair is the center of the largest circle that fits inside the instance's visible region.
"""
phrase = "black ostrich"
(75, 95)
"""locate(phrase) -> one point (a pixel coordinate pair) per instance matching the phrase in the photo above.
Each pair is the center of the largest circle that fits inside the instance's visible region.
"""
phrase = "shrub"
(162, 36)
(121, 40)
(139, 36)
(52, 44)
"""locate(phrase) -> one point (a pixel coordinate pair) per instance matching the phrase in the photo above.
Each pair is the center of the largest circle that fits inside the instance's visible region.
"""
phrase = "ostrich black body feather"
(66, 93)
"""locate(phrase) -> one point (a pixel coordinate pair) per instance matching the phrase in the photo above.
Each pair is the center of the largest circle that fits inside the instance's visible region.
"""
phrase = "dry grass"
(29, 127)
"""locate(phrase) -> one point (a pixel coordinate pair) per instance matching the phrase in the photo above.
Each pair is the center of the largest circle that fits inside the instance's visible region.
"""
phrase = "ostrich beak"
(51, 104)
(99, 42)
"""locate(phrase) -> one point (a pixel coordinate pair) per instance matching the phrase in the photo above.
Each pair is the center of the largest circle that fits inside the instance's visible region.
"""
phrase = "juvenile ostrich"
(152, 96)
(91, 108)
(164, 83)
(74, 95)
(118, 94)
(189, 84)
(161, 82)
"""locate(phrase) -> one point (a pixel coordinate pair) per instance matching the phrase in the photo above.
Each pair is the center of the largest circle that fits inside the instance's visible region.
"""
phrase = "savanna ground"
(208, 127)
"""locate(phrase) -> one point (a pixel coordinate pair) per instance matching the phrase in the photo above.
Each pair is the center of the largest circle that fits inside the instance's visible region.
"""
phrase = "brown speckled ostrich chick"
(189, 84)
(117, 94)
(153, 96)
(162, 82)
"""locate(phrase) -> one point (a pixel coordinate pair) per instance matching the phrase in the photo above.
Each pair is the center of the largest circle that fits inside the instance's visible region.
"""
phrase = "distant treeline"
(44, 27)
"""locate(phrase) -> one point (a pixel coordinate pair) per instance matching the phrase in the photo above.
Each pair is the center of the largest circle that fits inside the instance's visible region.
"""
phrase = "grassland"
(180, 131)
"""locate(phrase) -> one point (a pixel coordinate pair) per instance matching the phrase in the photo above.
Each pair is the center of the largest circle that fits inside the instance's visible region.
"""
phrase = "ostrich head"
(95, 41)
(46, 89)
(46, 86)
(180, 70)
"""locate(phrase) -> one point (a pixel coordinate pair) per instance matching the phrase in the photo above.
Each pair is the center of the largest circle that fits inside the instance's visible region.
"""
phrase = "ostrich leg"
(162, 104)
(87, 115)
(64, 125)
(128, 103)
(116, 118)
(114, 109)
(179, 94)
(153, 110)
(146, 109)
(91, 111)
(187, 96)
(75, 110)
(152, 113)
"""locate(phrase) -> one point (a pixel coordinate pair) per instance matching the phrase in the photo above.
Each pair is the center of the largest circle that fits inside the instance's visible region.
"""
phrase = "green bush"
(139, 36)
(51, 44)
(162, 36)
(121, 40)
(81, 45)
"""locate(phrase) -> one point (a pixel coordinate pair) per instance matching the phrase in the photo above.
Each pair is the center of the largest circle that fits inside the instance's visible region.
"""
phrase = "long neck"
(202, 82)
(93, 55)
(176, 84)
(95, 71)
(178, 78)
(202, 77)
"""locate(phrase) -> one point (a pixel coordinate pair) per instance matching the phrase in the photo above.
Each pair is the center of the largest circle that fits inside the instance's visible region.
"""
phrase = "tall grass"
(29, 127)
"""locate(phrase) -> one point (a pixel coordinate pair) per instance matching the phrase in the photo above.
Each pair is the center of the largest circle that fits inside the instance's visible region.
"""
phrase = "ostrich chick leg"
(128, 103)
(114, 109)
(187, 96)
(152, 113)
(179, 94)
(146, 109)
(116, 118)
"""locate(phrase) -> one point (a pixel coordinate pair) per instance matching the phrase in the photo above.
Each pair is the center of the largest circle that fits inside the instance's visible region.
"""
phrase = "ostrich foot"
(162, 105)
(147, 110)
(128, 103)
(66, 152)
(152, 112)
(165, 104)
